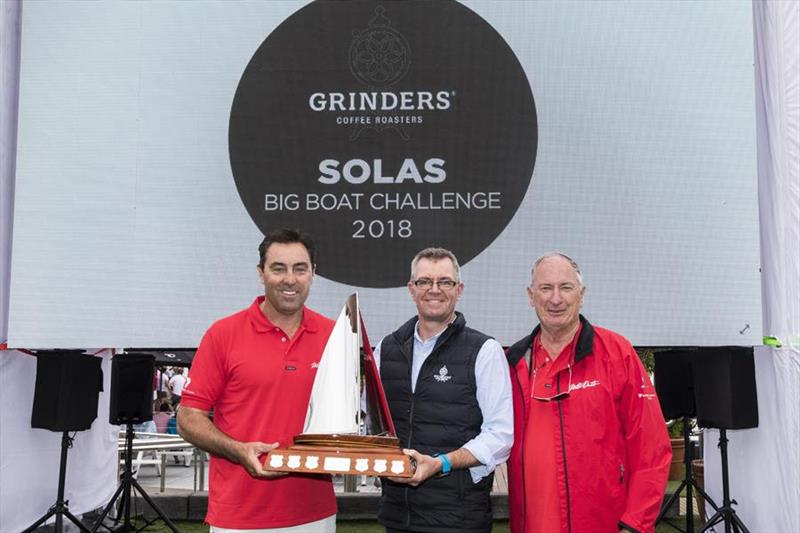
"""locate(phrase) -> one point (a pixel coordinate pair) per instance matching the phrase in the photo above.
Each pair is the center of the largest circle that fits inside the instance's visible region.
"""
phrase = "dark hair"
(287, 236)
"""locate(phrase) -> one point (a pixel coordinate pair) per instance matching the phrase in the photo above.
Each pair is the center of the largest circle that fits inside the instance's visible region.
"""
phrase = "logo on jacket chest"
(647, 391)
(584, 385)
(442, 376)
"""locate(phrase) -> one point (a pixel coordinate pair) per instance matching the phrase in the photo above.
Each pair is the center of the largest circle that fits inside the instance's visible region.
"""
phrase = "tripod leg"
(153, 506)
(707, 498)
(77, 522)
(689, 508)
(737, 523)
(688, 478)
(670, 502)
(41, 521)
(107, 510)
(714, 520)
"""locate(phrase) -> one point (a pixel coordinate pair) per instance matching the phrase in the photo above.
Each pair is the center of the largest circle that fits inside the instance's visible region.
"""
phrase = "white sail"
(334, 406)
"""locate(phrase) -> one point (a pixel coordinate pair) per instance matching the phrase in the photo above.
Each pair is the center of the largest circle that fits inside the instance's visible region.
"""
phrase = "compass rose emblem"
(379, 54)
(442, 376)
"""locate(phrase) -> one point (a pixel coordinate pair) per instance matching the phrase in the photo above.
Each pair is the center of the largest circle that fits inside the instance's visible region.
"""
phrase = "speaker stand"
(61, 508)
(127, 483)
(725, 513)
(688, 483)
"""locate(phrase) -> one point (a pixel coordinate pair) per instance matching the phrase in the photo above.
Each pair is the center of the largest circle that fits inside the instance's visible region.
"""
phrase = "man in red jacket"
(591, 451)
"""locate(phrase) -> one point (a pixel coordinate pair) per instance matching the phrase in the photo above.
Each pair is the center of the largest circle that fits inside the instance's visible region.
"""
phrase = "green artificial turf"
(353, 526)
(368, 526)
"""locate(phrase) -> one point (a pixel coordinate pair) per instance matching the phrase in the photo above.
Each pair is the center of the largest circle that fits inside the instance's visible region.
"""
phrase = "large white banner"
(157, 141)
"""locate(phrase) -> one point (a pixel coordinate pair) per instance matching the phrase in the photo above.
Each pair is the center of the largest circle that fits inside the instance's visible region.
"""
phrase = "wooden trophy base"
(342, 454)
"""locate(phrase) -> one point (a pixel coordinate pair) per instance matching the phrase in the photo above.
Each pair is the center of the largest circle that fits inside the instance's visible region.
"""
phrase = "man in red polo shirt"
(255, 369)
(591, 452)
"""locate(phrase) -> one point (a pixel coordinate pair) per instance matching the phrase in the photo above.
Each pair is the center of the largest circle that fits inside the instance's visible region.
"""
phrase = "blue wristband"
(446, 466)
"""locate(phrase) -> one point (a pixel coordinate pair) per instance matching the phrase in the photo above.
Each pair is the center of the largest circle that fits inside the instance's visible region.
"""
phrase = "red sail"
(379, 418)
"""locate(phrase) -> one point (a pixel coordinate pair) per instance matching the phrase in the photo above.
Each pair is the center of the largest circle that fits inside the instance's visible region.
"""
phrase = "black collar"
(582, 348)
(406, 331)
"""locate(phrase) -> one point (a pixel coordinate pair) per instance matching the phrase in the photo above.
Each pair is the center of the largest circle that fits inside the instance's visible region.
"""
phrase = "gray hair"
(435, 254)
(569, 260)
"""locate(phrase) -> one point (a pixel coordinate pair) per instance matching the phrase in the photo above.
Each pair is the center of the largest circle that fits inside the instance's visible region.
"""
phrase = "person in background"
(162, 416)
(162, 380)
(591, 452)
(172, 424)
(148, 426)
(255, 369)
(176, 384)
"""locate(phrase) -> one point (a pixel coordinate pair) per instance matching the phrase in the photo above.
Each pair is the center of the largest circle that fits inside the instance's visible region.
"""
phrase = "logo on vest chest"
(442, 376)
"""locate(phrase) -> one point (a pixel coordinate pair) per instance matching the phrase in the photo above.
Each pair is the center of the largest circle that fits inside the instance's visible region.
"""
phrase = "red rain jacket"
(613, 451)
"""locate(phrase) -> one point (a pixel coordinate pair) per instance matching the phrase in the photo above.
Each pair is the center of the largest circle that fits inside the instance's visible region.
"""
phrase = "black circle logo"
(382, 128)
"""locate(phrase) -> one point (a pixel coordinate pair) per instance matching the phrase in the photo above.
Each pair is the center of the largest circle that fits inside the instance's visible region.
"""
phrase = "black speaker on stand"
(726, 399)
(65, 399)
(131, 403)
(675, 389)
(718, 385)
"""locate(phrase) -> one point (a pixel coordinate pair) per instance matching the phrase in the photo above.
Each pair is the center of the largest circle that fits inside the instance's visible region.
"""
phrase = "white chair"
(187, 455)
(144, 457)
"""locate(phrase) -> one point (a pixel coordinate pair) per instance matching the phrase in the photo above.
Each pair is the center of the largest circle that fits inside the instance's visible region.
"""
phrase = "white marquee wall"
(29, 458)
(765, 462)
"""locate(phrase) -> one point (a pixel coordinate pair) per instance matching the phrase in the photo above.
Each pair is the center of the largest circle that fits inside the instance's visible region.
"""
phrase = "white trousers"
(326, 525)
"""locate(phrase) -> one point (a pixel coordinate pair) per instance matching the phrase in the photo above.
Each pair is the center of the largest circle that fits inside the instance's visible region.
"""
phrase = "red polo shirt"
(542, 501)
(258, 382)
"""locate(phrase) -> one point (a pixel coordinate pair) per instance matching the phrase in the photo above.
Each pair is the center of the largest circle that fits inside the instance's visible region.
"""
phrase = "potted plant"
(675, 430)
(674, 427)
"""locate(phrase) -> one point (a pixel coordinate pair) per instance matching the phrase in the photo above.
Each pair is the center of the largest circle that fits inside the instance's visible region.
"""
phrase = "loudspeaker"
(67, 385)
(675, 383)
(725, 388)
(131, 388)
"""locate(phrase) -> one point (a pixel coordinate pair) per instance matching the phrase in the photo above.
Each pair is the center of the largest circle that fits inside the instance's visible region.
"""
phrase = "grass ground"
(355, 526)
(368, 526)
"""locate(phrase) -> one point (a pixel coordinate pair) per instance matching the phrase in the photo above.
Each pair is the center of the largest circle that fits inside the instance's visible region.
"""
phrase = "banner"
(158, 142)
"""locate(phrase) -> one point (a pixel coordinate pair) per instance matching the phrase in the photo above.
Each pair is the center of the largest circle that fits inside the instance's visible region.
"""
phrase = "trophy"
(348, 428)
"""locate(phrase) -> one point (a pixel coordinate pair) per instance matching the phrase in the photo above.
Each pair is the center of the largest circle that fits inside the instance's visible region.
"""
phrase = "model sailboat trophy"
(349, 428)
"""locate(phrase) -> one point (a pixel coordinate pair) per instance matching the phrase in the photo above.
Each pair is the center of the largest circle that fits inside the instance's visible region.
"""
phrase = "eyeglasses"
(558, 395)
(441, 284)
